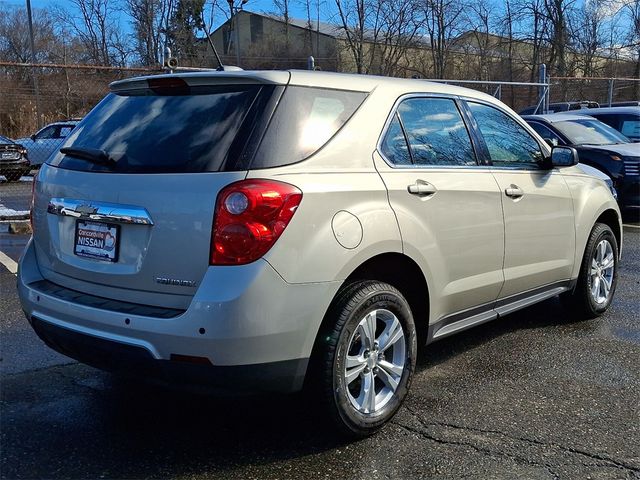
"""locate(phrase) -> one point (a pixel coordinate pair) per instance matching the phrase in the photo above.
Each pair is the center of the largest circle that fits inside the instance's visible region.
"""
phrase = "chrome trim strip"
(99, 211)
(460, 321)
(515, 305)
(463, 324)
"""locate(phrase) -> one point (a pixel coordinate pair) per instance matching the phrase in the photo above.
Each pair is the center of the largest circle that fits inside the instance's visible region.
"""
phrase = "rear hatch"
(125, 209)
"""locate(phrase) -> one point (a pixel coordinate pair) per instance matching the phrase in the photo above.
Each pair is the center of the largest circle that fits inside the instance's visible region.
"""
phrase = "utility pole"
(236, 26)
(34, 73)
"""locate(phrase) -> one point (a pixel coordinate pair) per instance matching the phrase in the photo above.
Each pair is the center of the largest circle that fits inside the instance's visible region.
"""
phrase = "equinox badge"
(175, 281)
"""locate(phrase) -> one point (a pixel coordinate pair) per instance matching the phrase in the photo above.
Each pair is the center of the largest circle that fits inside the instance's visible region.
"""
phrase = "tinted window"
(304, 121)
(394, 145)
(631, 128)
(546, 133)
(436, 133)
(590, 132)
(47, 133)
(149, 132)
(509, 144)
(65, 130)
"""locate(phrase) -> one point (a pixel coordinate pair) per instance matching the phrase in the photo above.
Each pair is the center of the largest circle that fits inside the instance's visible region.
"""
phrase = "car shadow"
(90, 424)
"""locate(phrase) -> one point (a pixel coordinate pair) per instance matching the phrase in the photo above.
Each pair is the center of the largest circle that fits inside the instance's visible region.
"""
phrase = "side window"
(47, 133)
(436, 132)
(546, 133)
(508, 143)
(65, 130)
(394, 146)
(630, 127)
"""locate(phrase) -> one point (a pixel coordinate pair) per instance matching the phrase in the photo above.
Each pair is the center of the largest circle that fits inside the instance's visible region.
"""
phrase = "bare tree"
(443, 20)
(14, 35)
(358, 18)
(588, 36)
(557, 12)
(480, 15)
(95, 23)
(149, 18)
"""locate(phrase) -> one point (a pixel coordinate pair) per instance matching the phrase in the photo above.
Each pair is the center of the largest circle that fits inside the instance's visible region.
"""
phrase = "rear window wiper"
(93, 155)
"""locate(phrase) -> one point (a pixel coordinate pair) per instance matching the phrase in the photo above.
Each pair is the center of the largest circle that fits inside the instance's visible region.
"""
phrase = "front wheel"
(598, 275)
(367, 356)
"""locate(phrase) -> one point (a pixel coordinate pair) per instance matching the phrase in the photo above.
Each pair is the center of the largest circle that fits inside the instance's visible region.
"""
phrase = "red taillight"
(250, 215)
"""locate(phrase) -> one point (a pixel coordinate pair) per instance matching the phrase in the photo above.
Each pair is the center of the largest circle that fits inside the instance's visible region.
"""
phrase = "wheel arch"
(610, 218)
(399, 271)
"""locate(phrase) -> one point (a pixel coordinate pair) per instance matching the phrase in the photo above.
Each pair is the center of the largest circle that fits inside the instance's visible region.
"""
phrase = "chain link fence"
(604, 91)
(41, 104)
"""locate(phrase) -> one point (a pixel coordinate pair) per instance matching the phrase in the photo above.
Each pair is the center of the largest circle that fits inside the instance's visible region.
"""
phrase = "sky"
(297, 8)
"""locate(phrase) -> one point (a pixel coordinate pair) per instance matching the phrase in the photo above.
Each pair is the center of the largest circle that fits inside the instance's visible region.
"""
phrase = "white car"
(46, 141)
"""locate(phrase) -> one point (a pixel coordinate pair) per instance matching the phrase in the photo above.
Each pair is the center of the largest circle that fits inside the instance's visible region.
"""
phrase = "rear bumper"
(248, 328)
(135, 361)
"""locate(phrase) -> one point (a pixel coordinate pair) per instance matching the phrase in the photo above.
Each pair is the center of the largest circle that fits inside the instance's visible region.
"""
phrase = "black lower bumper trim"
(282, 377)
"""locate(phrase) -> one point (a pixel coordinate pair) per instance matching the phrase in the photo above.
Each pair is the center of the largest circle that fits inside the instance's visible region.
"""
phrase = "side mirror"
(552, 142)
(564, 156)
(33, 137)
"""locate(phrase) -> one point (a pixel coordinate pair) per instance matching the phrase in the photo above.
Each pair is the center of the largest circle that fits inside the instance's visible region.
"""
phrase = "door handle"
(513, 191)
(421, 188)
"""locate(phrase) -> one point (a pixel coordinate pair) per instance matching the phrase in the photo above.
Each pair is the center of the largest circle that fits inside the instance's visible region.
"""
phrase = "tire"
(596, 284)
(388, 364)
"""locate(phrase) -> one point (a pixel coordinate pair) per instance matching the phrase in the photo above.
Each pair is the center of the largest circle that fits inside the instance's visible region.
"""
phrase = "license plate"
(97, 240)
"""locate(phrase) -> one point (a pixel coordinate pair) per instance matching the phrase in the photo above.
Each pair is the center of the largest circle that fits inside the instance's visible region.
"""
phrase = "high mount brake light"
(249, 217)
(168, 86)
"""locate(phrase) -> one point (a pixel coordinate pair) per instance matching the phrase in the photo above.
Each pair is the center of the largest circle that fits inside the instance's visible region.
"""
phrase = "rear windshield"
(159, 132)
(305, 120)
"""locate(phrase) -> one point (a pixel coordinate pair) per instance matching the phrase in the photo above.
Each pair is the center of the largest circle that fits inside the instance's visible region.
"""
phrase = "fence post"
(542, 91)
(610, 95)
(34, 72)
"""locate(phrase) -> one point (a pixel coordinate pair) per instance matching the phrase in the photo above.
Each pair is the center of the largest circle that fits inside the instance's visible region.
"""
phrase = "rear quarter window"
(304, 121)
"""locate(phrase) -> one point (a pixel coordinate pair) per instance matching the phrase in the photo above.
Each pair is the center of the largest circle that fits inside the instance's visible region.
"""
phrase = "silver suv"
(274, 230)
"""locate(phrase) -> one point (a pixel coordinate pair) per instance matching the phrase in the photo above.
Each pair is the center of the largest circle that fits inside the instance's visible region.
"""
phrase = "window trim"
(457, 100)
(544, 148)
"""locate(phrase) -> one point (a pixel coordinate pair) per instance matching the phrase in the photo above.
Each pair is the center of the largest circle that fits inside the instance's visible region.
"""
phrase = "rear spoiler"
(204, 78)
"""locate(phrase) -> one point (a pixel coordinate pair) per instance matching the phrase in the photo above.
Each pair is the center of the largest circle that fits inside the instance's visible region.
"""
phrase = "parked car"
(46, 141)
(598, 145)
(630, 103)
(626, 120)
(561, 107)
(13, 160)
(274, 230)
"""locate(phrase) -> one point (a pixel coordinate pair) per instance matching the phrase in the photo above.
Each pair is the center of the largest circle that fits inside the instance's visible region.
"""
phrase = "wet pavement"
(533, 395)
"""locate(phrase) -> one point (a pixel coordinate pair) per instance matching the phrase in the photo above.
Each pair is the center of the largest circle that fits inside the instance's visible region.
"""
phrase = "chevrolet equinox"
(269, 231)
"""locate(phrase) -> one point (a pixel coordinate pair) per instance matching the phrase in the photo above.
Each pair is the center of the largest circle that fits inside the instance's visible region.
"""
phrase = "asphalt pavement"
(534, 395)
(15, 195)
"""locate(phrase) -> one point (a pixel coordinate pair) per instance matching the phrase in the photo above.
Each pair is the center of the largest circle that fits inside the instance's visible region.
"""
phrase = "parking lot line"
(8, 262)
(630, 226)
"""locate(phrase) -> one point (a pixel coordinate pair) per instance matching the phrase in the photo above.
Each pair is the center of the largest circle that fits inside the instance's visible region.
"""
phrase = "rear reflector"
(189, 359)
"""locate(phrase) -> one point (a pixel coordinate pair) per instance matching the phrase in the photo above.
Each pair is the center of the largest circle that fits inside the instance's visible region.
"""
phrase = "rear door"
(537, 205)
(448, 207)
(127, 212)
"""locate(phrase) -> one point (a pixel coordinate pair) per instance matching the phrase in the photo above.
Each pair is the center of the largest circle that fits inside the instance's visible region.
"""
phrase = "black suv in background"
(626, 120)
(599, 146)
(13, 160)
